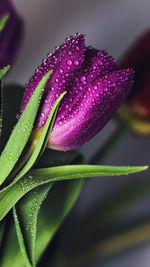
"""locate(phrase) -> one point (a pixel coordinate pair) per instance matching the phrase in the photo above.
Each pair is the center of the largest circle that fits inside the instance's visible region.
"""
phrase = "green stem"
(103, 152)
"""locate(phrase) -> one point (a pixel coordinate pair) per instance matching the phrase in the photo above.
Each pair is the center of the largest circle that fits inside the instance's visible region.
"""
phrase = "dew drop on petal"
(76, 62)
(82, 78)
(60, 71)
(69, 62)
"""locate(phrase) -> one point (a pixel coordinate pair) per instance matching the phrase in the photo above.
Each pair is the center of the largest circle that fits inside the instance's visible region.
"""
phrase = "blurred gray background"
(111, 24)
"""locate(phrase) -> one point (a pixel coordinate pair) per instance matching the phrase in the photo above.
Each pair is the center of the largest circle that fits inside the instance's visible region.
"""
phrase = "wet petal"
(92, 110)
(95, 65)
(63, 61)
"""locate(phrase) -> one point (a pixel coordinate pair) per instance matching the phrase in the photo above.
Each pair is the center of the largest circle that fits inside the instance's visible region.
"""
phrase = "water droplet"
(69, 62)
(60, 71)
(82, 78)
(76, 62)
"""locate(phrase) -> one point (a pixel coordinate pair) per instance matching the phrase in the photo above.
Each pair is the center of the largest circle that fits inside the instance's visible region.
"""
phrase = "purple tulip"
(11, 35)
(95, 89)
(136, 109)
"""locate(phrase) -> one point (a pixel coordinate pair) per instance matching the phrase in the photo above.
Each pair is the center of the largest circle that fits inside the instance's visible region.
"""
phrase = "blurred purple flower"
(95, 89)
(11, 35)
(136, 109)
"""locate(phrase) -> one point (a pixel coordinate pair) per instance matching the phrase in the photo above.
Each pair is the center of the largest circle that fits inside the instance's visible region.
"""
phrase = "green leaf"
(3, 21)
(1, 107)
(28, 210)
(42, 142)
(21, 132)
(34, 201)
(26, 213)
(4, 71)
(11, 254)
(12, 193)
(20, 239)
(55, 208)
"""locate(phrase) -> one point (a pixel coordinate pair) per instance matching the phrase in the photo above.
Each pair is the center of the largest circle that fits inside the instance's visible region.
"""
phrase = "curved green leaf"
(3, 21)
(25, 215)
(11, 194)
(27, 211)
(55, 208)
(42, 142)
(11, 246)
(21, 240)
(35, 199)
(21, 132)
(4, 71)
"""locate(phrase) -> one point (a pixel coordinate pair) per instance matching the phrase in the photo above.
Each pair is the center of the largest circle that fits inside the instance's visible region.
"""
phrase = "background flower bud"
(137, 108)
(11, 35)
(95, 89)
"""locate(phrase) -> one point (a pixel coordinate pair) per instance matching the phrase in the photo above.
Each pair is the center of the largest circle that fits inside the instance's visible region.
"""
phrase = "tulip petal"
(12, 34)
(138, 57)
(65, 62)
(91, 111)
(95, 65)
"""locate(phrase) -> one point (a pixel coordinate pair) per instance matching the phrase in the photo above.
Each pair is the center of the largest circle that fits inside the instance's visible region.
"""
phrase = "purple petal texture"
(12, 34)
(91, 111)
(65, 61)
(95, 89)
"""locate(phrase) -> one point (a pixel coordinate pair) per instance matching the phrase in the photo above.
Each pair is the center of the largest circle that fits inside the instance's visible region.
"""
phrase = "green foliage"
(15, 191)
(42, 142)
(4, 71)
(3, 21)
(21, 132)
(41, 197)
(50, 215)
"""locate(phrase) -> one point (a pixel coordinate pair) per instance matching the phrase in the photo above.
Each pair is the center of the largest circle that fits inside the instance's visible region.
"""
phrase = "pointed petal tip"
(80, 36)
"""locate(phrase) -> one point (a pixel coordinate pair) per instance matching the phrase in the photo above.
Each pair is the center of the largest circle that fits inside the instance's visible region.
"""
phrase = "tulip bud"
(95, 89)
(136, 110)
(11, 35)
